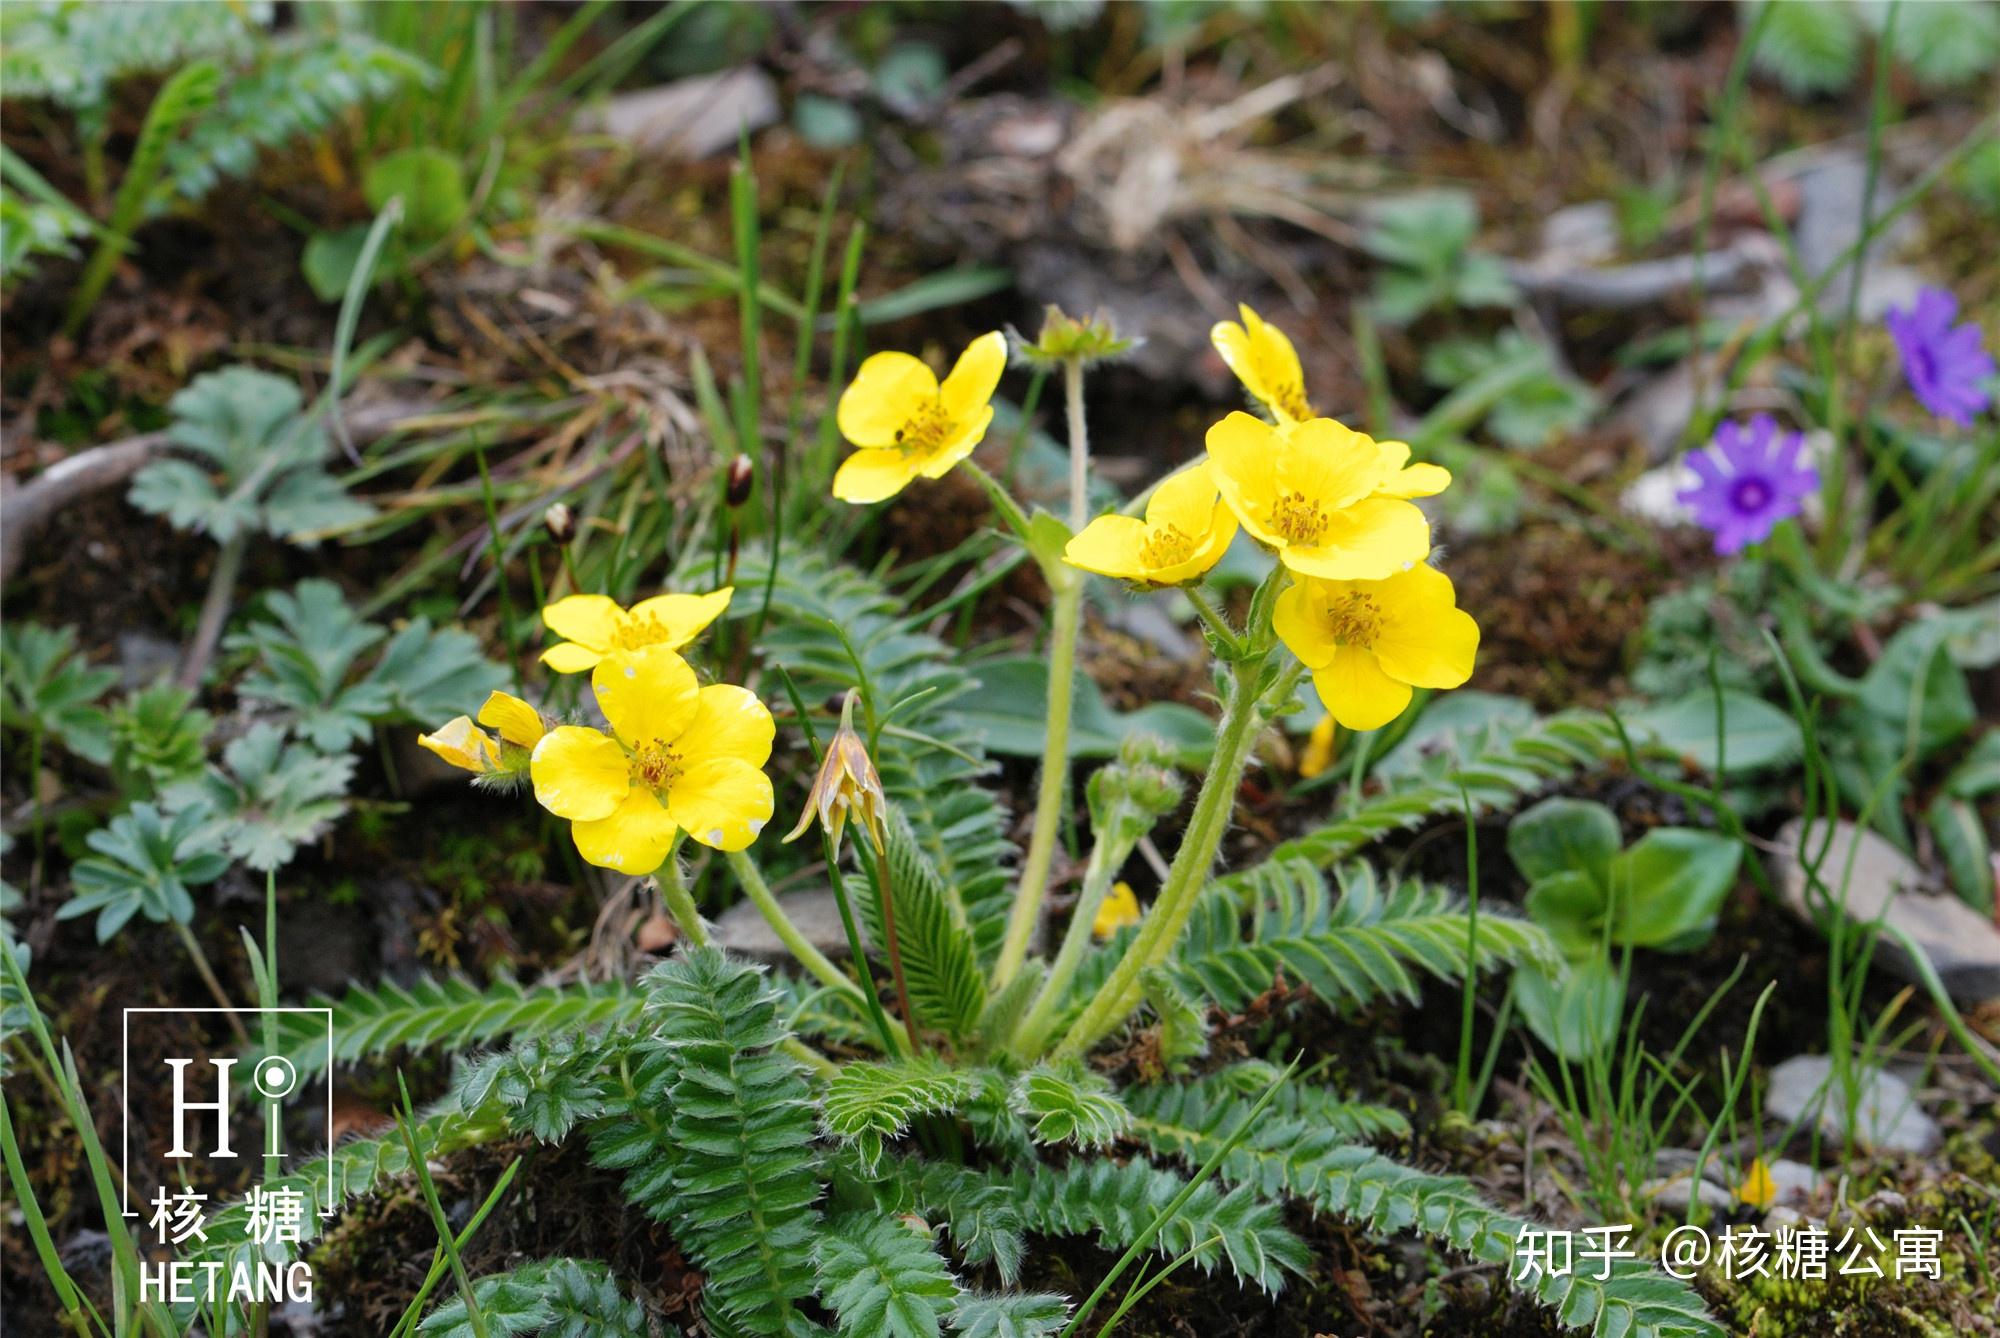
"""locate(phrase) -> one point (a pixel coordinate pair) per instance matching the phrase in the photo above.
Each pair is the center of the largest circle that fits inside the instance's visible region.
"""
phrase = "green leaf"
(947, 989)
(47, 685)
(556, 1298)
(159, 738)
(1046, 538)
(1066, 1102)
(1571, 905)
(1978, 772)
(1671, 884)
(1968, 855)
(1947, 43)
(1809, 48)
(1564, 835)
(144, 863)
(867, 1103)
(429, 181)
(1011, 714)
(883, 1276)
(1915, 681)
(1756, 735)
(1372, 942)
(261, 463)
(329, 259)
(269, 797)
(1010, 1315)
(1574, 1013)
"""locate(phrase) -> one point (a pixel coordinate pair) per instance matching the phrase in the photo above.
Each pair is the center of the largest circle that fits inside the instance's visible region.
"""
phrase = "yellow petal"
(675, 620)
(1318, 755)
(1232, 341)
(1221, 531)
(519, 723)
(967, 434)
(886, 393)
(648, 695)
(722, 802)
(1408, 480)
(634, 839)
(1299, 620)
(1109, 546)
(1357, 693)
(579, 773)
(1329, 464)
(569, 658)
(1242, 455)
(1758, 1189)
(1184, 500)
(1370, 540)
(974, 377)
(1282, 380)
(588, 620)
(1119, 908)
(1425, 640)
(873, 476)
(464, 745)
(728, 722)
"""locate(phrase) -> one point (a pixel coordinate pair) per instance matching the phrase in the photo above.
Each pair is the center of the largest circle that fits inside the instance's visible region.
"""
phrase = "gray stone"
(696, 117)
(1675, 1193)
(1962, 945)
(1886, 1117)
(1792, 1182)
(144, 659)
(744, 930)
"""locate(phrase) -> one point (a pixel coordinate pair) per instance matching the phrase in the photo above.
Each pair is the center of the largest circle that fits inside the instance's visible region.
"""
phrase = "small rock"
(144, 659)
(1963, 946)
(743, 929)
(1886, 1116)
(1793, 1182)
(1675, 1193)
(1150, 623)
(696, 117)
(1783, 1217)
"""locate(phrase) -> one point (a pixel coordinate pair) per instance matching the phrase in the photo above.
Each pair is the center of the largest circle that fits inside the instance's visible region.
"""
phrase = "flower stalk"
(1065, 621)
(811, 958)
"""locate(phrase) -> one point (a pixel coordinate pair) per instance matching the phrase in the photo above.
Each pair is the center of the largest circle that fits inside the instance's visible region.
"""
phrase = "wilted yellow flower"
(596, 626)
(1369, 642)
(470, 748)
(464, 745)
(1758, 1189)
(1318, 755)
(1331, 501)
(1265, 362)
(683, 756)
(847, 783)
(1119, 908)
(907, 425)
(1186, 531)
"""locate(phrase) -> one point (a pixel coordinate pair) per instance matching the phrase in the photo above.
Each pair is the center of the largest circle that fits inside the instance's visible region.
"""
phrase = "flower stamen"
(1298, 519)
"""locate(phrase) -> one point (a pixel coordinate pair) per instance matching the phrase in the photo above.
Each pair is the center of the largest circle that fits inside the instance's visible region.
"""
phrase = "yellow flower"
(519, 723)
(683, 757)
(1119, 908)
(847, 783)
(470, 748)
(1758, 1189)
(1369, 642)
(464, 745)
(595, 626)
(907, 425)
(1318, 755)
(1264, 361)
(1331, 500)
(1186, 531)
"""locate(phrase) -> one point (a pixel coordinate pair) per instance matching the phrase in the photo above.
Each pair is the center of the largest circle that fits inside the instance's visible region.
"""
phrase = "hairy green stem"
(811, 958)
(680, 904)
(1065, 619)
(1106, 855)
(1189, 871)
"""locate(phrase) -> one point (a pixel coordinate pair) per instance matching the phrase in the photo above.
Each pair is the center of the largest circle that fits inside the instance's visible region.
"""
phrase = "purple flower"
(1751, 479)
(1943, 365)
